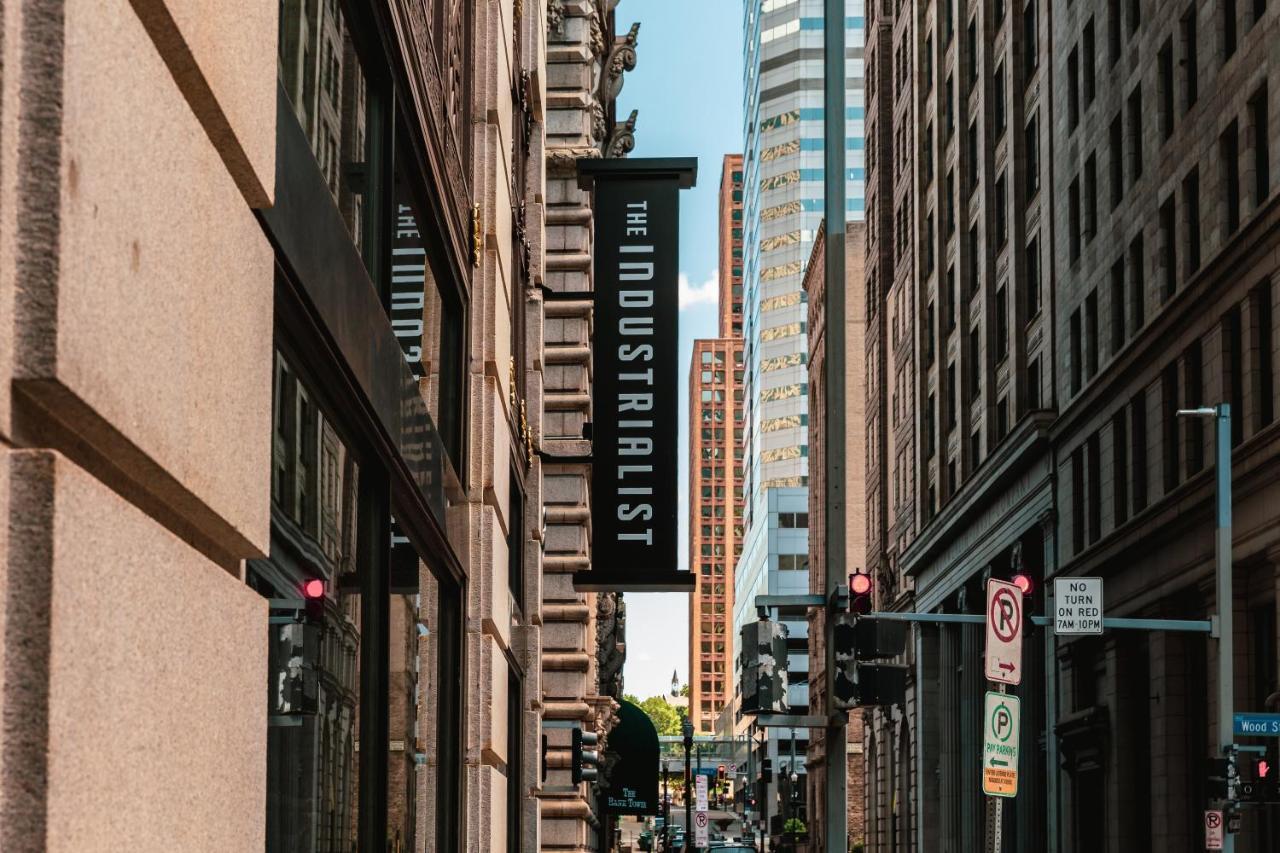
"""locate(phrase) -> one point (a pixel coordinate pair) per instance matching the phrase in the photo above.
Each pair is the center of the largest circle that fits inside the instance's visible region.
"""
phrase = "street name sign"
(700, 831)
(1000, 716)
(1264, 725)
(1003, 661)
(1213, 829)
(1077, 606)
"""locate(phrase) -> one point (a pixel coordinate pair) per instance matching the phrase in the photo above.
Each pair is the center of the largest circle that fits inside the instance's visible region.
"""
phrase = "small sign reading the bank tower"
(1000, 745)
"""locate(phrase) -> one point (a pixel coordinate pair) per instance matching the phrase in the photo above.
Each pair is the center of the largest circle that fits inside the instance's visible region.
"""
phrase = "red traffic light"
(313, 588)
(1025, 583)
(860, 593)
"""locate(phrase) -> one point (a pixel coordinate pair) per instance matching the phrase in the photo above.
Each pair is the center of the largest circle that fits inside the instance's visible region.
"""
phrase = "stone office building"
(272, 415)
(1073, 233)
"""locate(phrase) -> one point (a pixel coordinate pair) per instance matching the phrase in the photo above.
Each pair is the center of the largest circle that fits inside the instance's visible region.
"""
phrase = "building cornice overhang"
(1026, 445)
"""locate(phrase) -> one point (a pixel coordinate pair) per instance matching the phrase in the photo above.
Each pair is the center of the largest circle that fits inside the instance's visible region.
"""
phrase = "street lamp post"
(1221, 415)
(688, 785)
(666, 808)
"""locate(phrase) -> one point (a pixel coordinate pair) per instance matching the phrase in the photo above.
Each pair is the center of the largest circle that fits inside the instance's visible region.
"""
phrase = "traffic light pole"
(1221, 415)
(1226, 656)
(833, 100)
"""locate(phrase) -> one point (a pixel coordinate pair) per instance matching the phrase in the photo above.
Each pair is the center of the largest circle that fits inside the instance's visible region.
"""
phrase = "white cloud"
(706, 293)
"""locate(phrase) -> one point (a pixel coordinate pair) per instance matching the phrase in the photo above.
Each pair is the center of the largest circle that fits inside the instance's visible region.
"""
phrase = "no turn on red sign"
(1003, 661)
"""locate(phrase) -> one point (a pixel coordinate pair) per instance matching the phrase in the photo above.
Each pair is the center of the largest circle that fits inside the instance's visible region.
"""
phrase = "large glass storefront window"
(319, 553)
(366, 637)
(330, 555)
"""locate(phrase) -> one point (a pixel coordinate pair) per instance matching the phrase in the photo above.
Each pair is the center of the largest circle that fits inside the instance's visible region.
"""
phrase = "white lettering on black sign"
(634, 404)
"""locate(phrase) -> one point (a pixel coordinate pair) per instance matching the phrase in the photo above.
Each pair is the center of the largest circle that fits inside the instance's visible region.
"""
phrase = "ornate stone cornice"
(622, 58)
(564, 161)
(623, 138)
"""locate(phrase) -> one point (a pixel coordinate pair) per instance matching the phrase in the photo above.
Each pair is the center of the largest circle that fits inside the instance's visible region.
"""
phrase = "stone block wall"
(136, 288)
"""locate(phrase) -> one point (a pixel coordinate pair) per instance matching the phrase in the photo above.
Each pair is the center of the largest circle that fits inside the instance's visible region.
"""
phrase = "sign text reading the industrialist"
(635, 381)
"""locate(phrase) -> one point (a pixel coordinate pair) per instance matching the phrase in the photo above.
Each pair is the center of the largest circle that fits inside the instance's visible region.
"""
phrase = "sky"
(687, 85)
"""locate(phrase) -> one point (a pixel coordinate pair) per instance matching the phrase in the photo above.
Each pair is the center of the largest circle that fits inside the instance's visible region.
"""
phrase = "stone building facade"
(855, 520)
(582, 633)
(1070, 236)
(284, 355)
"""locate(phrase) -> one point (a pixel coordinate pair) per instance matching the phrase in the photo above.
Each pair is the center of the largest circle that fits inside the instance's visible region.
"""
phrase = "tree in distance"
(667, 718)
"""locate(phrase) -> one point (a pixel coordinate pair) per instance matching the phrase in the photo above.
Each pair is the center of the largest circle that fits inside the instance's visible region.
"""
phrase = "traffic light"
(860, 588)
(880, 684)
(1024, 582)
(313, 598)
(1264, 786)
(764, 667)
(858, 639)
(585, 758)
(1219, 770)
(766, 770)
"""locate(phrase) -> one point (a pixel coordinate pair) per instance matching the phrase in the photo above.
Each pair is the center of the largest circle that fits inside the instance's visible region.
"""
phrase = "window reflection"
(326, 85)
(313, 682)
(324, 513)
(427, 318)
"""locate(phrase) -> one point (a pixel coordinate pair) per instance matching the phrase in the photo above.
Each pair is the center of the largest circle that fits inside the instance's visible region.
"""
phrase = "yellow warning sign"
(1000, 745)
(999, 783)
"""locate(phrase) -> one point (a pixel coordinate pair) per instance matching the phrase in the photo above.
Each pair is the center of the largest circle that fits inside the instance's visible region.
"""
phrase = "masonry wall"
(855, 520)
(135, 416)
(581, 658)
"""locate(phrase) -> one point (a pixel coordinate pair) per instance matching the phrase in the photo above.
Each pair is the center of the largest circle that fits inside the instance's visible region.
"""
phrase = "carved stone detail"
(599, 125)
(555, 17)
(622, 58)
(623, 138)
(564, 161)
(596, 39)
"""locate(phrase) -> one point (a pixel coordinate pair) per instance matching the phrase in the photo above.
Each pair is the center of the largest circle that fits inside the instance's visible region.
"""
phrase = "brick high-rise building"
(731, 246)
(1073, 231)
(715, 473)
(855, 514)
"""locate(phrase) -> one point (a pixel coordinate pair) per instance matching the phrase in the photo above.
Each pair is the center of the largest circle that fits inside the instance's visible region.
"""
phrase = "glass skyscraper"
(783, 207)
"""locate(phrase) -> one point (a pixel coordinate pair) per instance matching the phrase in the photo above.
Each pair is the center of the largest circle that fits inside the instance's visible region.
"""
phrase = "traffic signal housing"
(859, 639)
(763, 654)
(586, 759)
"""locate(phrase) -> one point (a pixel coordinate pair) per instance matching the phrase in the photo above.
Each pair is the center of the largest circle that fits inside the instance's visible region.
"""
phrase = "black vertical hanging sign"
(635, 374)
